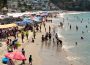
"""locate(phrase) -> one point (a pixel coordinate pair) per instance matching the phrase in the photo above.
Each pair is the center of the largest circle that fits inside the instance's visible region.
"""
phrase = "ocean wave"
(61, 15)
(67, 47)
(70, 58)
(60, 36)
(64, 13)
(75, 12)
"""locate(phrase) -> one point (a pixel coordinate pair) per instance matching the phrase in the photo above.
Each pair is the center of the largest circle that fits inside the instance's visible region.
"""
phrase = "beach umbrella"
(15, 55)
(20, 23)
(5, 60)
(18, 56)
(25, 22)
(9, 55)
(26, 18)
(37, 19)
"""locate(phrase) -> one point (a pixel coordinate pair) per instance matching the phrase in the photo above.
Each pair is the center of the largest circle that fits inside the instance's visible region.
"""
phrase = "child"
(33, 40)
(30, 59)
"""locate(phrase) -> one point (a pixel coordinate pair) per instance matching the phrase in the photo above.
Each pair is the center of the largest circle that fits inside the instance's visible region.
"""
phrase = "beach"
(42, 54)
(48, 53)
(78, 54)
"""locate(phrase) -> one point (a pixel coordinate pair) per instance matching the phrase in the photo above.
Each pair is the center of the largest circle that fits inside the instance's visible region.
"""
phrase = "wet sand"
(51, 54)
(42, 54)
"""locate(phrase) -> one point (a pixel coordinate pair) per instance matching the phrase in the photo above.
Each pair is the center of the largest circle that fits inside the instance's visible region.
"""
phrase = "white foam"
(70, 58)
(88, 31)
(62, 14)
(60, 36)
(74, 12)
(67, 47)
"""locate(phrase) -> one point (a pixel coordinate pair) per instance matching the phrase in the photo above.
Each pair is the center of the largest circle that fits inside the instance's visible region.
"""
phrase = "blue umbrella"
(20, 23)
(37, 19)
(25, 21)
(5, 60)
(26, 18)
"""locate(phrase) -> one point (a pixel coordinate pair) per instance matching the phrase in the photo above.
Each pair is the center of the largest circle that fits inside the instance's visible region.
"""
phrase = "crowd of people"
(13, 44)
(5, 33)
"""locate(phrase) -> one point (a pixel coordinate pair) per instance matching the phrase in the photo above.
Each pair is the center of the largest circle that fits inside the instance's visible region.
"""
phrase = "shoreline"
(75, 54)
(47, 55)
(55, 51)
(35, 50)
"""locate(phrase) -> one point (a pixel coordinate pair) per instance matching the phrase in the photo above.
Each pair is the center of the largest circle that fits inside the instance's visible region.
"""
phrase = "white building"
(12, 4)
(35, 4)
(40, 4)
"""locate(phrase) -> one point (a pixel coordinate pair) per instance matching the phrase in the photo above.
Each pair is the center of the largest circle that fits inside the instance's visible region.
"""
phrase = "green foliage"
(81, 6)
(88, 6)
(3, 3)
(56, 1)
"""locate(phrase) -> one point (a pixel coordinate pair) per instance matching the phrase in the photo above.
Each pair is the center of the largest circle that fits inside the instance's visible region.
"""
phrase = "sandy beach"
(42, 53)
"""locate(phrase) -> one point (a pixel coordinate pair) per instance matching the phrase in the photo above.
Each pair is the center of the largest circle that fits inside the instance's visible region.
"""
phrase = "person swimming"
(82, 38)
(76, 43)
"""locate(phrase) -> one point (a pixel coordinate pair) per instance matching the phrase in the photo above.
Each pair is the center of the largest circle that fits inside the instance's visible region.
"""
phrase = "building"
(26, 4)
(18, 4)
(12, 5)
(40, 4)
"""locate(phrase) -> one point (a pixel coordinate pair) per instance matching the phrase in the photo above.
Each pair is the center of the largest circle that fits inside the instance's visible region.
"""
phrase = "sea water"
(80, 53)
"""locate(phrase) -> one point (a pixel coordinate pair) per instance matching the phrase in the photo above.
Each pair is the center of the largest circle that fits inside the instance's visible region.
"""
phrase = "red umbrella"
(15, 55)
(9, 55)
(18, 56)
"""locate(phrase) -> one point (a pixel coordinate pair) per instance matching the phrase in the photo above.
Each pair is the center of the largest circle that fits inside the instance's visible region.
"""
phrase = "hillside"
(81, 5)
(3, 3)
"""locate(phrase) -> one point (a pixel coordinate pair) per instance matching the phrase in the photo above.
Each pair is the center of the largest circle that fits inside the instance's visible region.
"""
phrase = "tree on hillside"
(3, 3)
(56, 1)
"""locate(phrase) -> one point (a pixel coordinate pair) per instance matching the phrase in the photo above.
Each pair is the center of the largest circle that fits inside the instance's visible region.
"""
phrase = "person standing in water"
(56, 36)
(43, 38)
(70, 27)
(63, 19)
(86, 26)
(76, 27)
(76, 43)
(49, 35)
